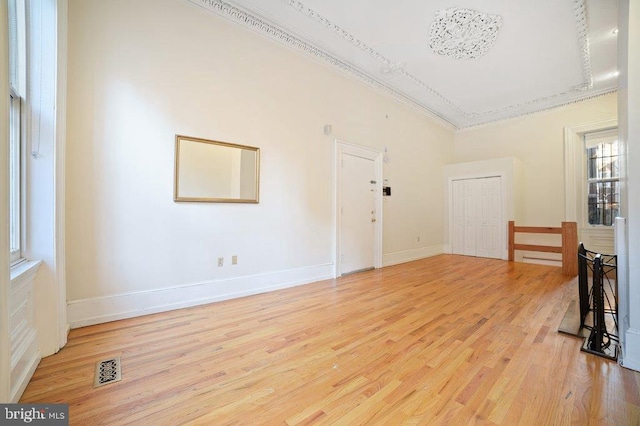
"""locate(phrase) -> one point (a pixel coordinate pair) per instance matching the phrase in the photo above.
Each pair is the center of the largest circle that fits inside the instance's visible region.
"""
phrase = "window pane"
(16, 33)
(603, 202)
(603, 174)
(13, 43)
(614, 162)
(592, 169)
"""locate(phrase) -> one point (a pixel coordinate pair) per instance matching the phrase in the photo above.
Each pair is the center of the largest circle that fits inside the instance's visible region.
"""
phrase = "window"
(16, 61)
(603, 177)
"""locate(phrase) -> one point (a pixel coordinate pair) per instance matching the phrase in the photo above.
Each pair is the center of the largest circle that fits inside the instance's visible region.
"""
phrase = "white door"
(457, 198)
(357, 213)
(488, 221)
(470, 228)
(476, 217)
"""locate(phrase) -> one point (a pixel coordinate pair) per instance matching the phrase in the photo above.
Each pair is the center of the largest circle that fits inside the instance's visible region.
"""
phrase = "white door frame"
(342, 148)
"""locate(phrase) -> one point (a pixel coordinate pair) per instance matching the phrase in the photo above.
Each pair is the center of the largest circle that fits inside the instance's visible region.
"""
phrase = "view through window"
(603, 177)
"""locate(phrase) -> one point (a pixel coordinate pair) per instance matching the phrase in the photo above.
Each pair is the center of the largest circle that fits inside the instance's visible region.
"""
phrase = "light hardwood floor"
(446, 340)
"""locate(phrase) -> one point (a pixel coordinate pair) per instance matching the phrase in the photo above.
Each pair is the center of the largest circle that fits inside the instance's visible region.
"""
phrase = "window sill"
(24, 271)
(598, 227)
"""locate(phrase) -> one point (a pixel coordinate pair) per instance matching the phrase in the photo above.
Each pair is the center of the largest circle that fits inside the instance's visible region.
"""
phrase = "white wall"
(141, 72)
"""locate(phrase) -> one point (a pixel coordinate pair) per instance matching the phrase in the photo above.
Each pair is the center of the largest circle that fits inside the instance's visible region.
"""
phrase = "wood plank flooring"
(446, 340)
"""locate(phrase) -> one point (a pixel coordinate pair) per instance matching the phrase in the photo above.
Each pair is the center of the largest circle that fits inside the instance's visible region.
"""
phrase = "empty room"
(186, 239)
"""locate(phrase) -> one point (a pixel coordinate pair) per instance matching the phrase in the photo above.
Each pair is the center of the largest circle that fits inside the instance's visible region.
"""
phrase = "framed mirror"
(215, 172)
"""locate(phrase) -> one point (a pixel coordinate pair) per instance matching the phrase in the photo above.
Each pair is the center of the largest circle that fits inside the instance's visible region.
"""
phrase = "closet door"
(476, 217)
(470, 217)
(457, 219)
(488, 217)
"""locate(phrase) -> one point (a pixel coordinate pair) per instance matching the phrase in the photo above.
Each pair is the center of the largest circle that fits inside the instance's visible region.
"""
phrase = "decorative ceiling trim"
(580, 14)
(248, 20)
(462, 33)
(579, 10)
(524, 114)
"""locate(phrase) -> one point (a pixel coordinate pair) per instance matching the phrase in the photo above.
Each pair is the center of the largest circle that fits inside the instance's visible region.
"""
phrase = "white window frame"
(17, 144)
(608, 133)
(596, 238)
(15, 177)
(575, 168)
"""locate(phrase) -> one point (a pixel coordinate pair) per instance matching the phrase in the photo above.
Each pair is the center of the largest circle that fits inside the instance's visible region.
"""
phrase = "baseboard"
(398, 257)
(631, 355)
(98, 310)
(539, 260)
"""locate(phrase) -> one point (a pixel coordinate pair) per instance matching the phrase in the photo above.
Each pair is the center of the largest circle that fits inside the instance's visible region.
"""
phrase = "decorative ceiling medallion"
(463, 33)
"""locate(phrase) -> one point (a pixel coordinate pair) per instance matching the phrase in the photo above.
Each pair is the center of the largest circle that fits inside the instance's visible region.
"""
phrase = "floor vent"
(107, 371)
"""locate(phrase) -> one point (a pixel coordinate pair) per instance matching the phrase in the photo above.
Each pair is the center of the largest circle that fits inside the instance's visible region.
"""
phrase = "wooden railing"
(568, 250)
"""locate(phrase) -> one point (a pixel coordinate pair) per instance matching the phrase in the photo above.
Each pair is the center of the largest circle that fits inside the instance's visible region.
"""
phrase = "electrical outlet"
(220, 261)
(234, 259)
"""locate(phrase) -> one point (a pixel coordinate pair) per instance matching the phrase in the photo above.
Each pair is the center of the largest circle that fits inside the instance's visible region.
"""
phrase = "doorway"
(359, 208)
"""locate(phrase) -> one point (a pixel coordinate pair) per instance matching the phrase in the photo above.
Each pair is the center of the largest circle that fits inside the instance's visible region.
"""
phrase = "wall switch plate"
(220, 261)
(234, 259)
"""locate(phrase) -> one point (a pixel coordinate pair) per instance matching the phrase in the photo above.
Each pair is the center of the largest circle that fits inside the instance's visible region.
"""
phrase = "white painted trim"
(342, 148)
(621, 245)
(631, 354)
(5, 284)
(59, 261)
(98, 310)
(404, 256)
(24, 365)
(24, 272)
(25, 352)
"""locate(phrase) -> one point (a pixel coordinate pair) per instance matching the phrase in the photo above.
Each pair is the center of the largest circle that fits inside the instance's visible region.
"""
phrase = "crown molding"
(249, 19)
(580, 16)
(525, 114)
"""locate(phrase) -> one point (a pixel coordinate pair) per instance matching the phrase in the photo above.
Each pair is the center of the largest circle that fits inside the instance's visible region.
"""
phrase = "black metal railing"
(598, 302)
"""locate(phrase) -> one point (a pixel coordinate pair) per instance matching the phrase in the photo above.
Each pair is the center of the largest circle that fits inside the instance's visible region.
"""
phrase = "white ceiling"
(545, 52)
